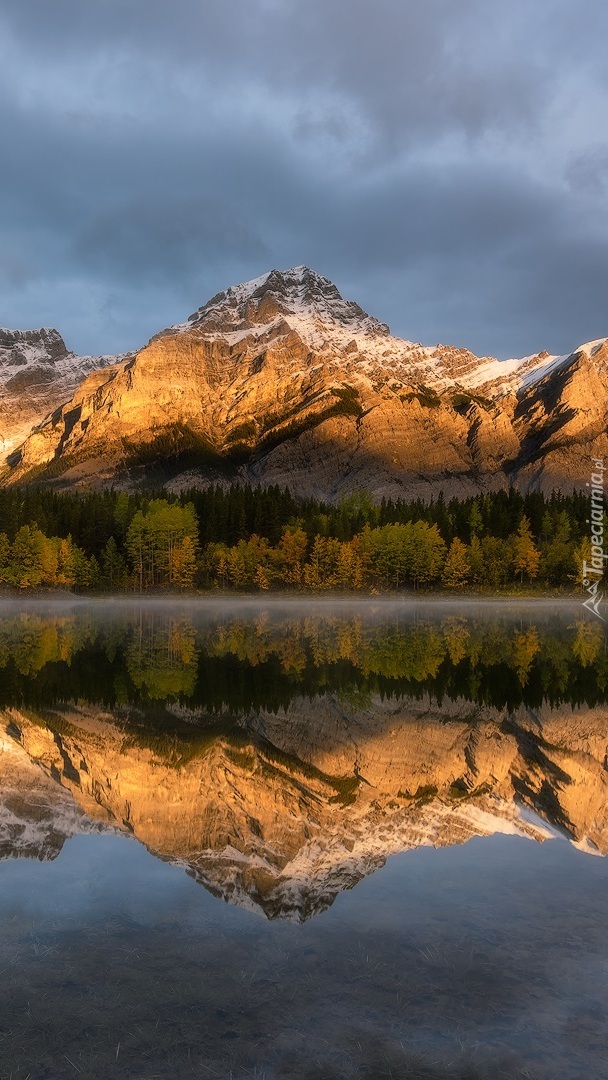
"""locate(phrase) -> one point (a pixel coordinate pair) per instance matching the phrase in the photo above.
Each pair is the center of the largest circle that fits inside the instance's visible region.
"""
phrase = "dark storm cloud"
(445, 163)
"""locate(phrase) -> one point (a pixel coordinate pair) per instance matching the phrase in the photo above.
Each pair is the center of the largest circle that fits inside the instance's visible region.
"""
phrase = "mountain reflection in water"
(282, 754)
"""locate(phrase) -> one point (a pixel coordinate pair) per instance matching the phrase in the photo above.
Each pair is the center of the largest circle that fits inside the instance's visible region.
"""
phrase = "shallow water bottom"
(484, 960)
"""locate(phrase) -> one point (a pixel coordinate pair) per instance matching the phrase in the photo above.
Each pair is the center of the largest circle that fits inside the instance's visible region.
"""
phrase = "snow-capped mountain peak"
(299, 299)
(281, 380)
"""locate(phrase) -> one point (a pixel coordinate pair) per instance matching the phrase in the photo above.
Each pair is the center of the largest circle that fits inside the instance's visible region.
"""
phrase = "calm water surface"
(320, 841)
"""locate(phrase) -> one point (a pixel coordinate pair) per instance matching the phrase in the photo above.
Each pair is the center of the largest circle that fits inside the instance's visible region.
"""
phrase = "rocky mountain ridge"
(280, 380)
(37, 373)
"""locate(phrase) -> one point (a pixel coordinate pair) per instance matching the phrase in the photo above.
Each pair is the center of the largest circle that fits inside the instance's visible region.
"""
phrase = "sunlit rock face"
(562, 418)
(281, 381)
(37, 812)
(284, 810)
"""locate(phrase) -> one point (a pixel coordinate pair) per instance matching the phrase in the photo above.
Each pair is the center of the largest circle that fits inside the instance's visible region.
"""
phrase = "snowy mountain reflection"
(284, 755)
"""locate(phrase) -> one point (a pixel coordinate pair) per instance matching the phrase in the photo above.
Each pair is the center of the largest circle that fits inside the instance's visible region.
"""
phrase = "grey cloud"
(588, 172)
(417, 153)
(15, 272)
(474, 260)
(407, 67)
(160, 240)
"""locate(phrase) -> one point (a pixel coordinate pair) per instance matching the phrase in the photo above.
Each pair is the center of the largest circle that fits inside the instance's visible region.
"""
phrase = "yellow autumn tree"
(526, 556)
(456, 569)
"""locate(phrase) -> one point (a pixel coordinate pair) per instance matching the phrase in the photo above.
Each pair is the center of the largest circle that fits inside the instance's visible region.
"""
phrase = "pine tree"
(475, 520)
(25, 564)
(475, 557)
(114, 570)
(5, 549)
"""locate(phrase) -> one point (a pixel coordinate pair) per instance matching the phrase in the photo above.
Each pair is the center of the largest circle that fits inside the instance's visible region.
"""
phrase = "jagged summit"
(309, 302)
(37, 815)
(20, 347)
(301, 300)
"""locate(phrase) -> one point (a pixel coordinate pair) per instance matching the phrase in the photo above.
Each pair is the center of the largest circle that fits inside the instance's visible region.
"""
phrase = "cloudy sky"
(445, 162)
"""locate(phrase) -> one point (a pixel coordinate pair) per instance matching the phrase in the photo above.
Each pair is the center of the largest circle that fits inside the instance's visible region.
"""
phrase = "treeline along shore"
(243, 539)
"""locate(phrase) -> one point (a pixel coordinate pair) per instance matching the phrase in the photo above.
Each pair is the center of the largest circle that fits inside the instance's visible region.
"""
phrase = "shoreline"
(276, 599)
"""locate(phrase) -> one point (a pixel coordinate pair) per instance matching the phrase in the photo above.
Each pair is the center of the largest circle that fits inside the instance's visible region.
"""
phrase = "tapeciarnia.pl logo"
(593, 571)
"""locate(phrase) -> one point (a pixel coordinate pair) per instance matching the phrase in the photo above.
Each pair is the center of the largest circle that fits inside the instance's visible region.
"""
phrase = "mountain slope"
(37, 373)
(281, 381)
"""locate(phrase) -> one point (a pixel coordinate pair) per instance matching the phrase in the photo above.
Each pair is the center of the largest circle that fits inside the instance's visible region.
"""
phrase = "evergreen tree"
(114, 570)
(137, 539)
(5, 549)
(475, 559)
(475, 520)
(26, 558)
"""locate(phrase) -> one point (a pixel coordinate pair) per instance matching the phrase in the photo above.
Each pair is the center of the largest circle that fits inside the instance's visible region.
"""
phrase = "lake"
(334, 839)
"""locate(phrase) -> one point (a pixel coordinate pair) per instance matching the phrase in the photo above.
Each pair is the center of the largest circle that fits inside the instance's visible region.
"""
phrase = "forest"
(261, 539)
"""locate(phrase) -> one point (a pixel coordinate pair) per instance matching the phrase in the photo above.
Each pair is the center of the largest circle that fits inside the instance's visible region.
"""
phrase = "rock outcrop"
(37, 814)
(37, 374)
(281, 381)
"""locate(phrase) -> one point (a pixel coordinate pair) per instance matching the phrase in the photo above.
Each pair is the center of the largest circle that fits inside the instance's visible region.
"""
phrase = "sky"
(445, 162)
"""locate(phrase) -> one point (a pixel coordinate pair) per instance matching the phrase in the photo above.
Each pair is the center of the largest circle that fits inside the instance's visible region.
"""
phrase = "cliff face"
(282, 381)
(562, 421)
(37, 374)
(292, 808)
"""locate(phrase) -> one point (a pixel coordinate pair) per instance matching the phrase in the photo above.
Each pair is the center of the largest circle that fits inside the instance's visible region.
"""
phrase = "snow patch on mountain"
(590, 348)
(301, 301)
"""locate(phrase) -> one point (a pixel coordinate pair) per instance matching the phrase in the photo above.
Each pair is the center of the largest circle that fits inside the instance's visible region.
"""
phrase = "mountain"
(284, 812)
(37, 373)
(281, 381)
